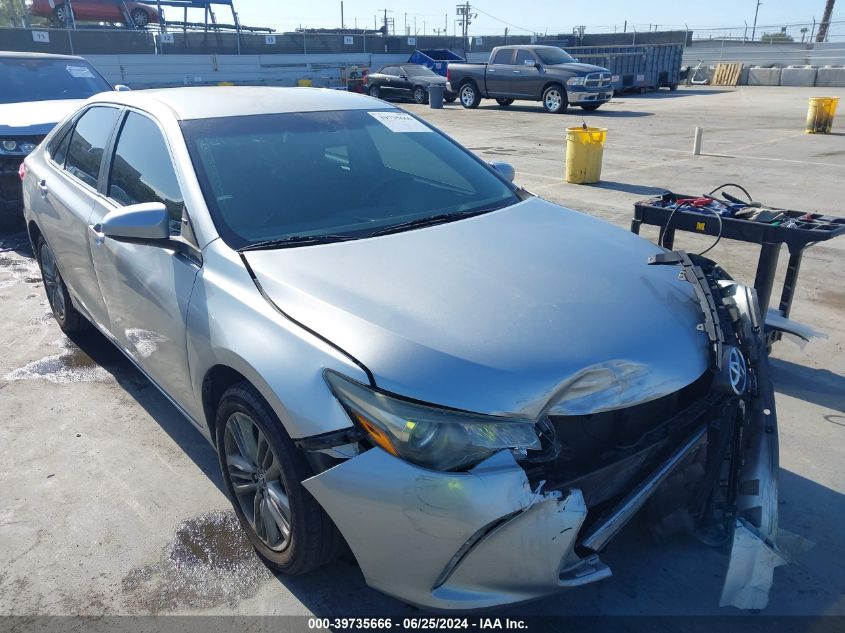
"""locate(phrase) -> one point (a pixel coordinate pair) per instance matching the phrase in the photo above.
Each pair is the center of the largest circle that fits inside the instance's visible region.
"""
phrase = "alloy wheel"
(140, 18)
(419, 95)
(52, 282)
(467, 96)
(553, 100)
(254, 472)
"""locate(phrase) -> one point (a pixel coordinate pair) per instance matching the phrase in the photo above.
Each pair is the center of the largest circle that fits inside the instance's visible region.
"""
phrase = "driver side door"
(146, 287)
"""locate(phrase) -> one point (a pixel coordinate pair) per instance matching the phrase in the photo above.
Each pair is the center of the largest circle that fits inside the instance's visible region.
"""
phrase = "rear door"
(500, 74)
(68, 191)
(147, 287)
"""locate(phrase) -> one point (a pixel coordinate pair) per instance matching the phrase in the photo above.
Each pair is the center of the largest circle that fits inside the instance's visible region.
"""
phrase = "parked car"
(408, 81)
(139, 14)
(383, 337)
(37, 92)
(534, 73)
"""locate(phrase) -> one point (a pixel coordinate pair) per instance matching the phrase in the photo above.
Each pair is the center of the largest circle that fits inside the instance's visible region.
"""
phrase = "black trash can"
(435, 96)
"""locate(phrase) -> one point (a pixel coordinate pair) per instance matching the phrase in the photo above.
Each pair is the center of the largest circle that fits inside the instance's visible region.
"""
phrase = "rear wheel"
(504, 102)
(554, 99)
(262, 471)
(420, 95)
(469, 96)
(61, 15)
(140, 19)
(375, 92)
(589, 107)
(66, 315)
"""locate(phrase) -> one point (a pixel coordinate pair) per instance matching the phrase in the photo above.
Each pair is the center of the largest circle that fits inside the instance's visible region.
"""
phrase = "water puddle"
(16, 269)
(208, 562)
(70, 365)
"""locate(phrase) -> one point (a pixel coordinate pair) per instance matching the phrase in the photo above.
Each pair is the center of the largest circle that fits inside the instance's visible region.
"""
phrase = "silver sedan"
(388, 342)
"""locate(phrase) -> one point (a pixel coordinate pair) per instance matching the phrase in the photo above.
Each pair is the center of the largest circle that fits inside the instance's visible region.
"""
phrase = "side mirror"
(148, 221)
(403, 76)
(506, 169)
(121, 88)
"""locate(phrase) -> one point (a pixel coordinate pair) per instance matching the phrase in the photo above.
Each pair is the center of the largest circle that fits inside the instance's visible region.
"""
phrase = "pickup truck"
(533, 73)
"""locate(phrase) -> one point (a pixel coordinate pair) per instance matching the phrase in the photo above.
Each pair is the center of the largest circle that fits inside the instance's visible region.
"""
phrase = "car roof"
(530, 46)
(19, 55)
(206, 102)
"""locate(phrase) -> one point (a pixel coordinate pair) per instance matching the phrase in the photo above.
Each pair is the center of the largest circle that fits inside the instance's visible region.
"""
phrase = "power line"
(505, 21)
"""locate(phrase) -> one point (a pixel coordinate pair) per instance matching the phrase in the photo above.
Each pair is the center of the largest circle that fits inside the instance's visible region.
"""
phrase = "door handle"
(491, 70)
(516, 71)
(42, 187)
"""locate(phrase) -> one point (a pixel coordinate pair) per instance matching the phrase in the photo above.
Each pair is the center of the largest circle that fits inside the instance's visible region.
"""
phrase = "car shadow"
(819, 386)
(625, 187)
(670, 94)
(16, 242)
(572, 110)
(98, 349)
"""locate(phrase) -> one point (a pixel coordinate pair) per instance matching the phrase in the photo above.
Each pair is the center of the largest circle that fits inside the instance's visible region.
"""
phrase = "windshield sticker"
(80, 72)
(399, 122)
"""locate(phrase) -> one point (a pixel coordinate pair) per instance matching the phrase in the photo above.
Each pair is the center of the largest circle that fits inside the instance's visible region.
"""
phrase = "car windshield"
(419, 71)
(348, 173)
(46, 79)
(551, 56)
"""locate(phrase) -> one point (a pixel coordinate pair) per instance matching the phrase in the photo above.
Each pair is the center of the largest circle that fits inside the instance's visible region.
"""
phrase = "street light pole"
(754, 28)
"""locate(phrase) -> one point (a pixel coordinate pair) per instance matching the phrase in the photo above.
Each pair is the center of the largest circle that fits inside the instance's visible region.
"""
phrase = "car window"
(273, 176)
(504, 56)
(34, 79)
(551, 56)
(390, 70)
(142, 169)
(59, 144)
(88, 141)
(525, 58)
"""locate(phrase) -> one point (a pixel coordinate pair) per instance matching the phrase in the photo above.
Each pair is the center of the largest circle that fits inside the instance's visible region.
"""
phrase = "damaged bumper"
(702, 460)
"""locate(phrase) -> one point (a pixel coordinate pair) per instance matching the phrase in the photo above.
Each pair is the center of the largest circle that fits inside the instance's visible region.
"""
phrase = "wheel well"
(554, 83)
(470, 82)
(34, 233)
(217, 380)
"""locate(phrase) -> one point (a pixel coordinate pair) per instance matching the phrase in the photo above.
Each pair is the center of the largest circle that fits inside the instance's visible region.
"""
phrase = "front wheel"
(450, 97)
(420, 95)
(375, 92)
(504, 102)
(554, 99)
(589, 107)
(469, 96)
(262, 471)
(140, 19)
(61, 15)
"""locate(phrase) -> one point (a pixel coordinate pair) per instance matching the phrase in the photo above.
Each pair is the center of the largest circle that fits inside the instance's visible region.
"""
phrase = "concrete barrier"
(758, 76)
(798, 76)
(831, 76)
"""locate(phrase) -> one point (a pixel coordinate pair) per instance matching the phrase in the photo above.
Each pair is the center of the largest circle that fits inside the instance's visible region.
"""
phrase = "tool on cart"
(746, 220)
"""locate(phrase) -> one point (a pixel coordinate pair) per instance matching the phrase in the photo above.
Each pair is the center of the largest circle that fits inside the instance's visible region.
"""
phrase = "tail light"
(448, 72)
(22, 171)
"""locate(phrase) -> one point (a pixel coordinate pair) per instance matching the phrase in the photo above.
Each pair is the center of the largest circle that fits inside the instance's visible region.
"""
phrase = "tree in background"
(776, 37)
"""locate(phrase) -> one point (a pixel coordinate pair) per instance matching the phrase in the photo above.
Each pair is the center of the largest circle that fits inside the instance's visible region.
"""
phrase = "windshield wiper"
(435, 219)
(296, 240)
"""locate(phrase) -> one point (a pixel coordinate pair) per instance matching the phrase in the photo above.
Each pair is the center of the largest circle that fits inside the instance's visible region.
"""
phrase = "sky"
(552, 16)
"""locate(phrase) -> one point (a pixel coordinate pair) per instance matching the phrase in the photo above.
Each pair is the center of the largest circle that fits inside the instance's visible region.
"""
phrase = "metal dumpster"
(635, 67)
(436, 59)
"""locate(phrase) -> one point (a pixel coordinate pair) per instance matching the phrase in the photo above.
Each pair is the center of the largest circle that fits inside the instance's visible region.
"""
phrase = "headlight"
(11, 146)
(576, 81)
(434, 438)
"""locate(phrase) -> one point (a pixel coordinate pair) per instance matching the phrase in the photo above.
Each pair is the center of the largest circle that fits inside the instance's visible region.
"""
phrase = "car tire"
(374, 92)
(250, 436)
(554, 99)
(61, 15)
(589, 107)
(140, 18)
(673, 87)
(450, 97)
(504, 102)
(420, 95)
(470, 98)
(66, 315)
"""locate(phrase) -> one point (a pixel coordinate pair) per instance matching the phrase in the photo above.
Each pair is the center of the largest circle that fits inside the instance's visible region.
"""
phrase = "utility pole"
(754, 28)
(342, 25)
(825, 23)
(465, 18)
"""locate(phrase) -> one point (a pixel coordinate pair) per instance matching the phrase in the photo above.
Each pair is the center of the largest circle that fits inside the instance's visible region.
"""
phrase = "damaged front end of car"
(525, 508)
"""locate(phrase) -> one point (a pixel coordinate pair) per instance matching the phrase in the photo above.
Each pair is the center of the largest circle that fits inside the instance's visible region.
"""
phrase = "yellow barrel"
(304, 83)
(584, 150)
(820, 114)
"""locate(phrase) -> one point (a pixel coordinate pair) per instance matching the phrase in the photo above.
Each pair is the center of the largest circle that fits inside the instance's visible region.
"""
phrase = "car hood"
(433, 81)
(34, 118)
(579, 68)
(530, 309)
